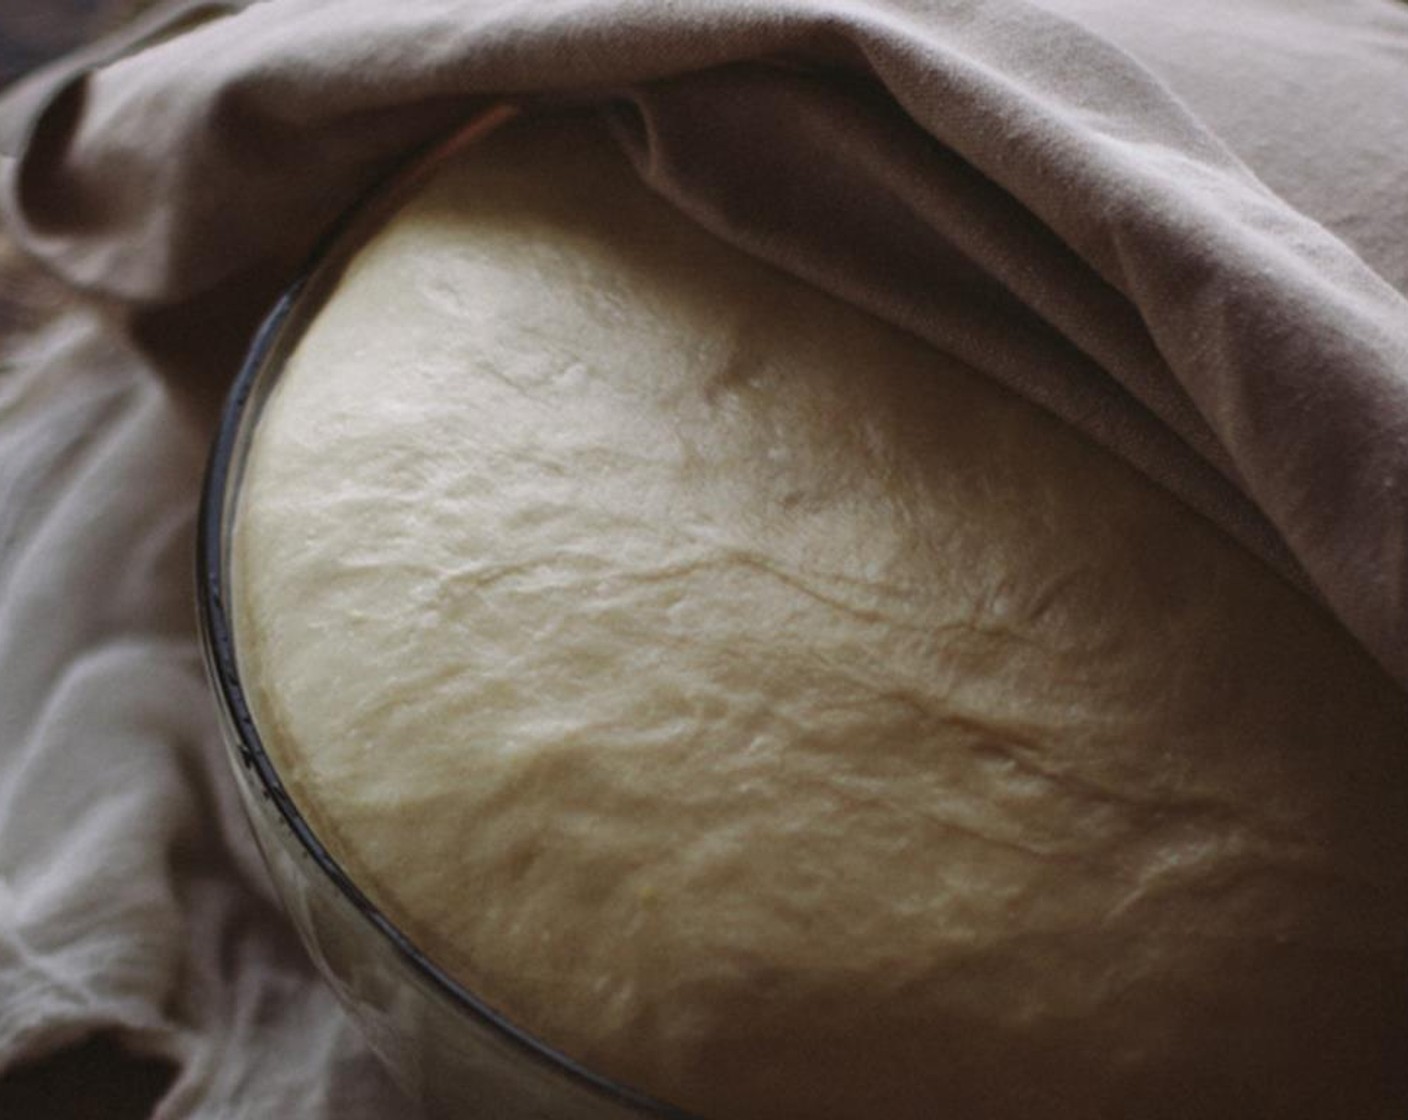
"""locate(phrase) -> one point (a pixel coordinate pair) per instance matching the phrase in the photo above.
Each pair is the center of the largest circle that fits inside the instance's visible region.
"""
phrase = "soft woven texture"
(1187, 242)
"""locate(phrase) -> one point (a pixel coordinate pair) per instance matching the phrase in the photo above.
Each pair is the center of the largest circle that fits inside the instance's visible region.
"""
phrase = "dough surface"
(783, 720)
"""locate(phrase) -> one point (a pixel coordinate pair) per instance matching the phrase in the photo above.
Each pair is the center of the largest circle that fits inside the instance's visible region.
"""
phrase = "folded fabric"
(1191, 245)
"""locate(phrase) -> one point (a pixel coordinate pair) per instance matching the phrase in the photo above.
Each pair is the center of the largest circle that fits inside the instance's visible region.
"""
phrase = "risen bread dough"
(782, 720)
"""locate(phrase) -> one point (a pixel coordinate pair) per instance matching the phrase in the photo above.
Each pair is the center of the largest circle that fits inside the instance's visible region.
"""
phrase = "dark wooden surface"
(34, 31)
(96, 1078)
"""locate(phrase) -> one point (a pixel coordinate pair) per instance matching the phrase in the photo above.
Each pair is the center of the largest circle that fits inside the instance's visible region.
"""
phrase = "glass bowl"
(451, 1052)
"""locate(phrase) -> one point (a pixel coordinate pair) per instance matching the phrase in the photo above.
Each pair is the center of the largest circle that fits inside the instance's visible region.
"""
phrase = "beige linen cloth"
(1182, 228)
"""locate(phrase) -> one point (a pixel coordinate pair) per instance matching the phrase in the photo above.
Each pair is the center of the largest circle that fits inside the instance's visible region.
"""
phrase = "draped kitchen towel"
(1181, 228)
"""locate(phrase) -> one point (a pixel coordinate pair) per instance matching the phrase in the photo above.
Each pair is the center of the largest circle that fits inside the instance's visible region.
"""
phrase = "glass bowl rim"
(261, 366)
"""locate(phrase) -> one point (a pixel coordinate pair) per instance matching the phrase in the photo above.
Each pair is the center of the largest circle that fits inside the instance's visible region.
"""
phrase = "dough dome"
(763, 709)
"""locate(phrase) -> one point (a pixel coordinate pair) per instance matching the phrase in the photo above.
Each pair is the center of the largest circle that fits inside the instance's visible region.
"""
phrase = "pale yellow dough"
(783, 720)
